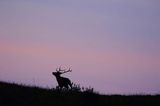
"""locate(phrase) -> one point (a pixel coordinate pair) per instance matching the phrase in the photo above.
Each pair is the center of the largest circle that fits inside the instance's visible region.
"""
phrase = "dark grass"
(21, 95)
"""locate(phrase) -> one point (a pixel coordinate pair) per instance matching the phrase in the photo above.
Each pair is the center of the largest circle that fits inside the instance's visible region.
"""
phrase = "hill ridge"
(15, 94)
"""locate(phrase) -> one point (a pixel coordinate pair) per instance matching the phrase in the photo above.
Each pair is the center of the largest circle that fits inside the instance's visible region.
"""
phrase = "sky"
(111, 45)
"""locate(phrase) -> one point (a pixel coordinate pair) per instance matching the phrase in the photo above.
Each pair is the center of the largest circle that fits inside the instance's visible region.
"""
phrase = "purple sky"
(111, 45)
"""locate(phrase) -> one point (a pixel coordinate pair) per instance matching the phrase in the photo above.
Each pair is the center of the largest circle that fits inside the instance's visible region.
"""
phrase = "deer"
(62, 81)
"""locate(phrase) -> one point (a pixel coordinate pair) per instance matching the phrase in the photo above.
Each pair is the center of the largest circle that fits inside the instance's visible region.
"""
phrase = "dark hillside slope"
(19, 95)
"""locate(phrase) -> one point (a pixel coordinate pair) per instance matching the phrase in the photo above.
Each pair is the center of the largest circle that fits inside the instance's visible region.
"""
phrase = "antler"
(63, 70)
(59, 69)
(69, 70)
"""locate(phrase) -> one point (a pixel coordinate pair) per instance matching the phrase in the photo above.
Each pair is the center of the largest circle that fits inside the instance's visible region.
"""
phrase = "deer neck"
(58, 77)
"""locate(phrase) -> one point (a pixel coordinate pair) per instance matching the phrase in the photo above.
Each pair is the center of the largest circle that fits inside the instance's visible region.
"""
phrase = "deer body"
(62, 81)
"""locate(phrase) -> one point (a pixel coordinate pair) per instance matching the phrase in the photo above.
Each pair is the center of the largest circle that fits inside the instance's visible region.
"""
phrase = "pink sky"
(112, 46)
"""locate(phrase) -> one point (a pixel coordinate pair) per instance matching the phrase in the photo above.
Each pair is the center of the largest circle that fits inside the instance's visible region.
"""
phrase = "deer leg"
(70, 85)
(60, 87)
(66, 87)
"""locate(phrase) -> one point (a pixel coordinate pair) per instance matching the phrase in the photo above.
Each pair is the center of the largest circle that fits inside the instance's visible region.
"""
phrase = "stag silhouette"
(62, 81)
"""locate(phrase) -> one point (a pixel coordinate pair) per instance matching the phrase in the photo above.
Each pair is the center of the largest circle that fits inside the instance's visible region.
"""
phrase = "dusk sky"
(111, 45)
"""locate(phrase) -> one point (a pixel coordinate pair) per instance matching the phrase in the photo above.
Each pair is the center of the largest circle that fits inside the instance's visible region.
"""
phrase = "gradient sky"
(111, 45)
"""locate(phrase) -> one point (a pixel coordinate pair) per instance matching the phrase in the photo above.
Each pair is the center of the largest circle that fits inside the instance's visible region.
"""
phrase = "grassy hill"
(21, 95)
